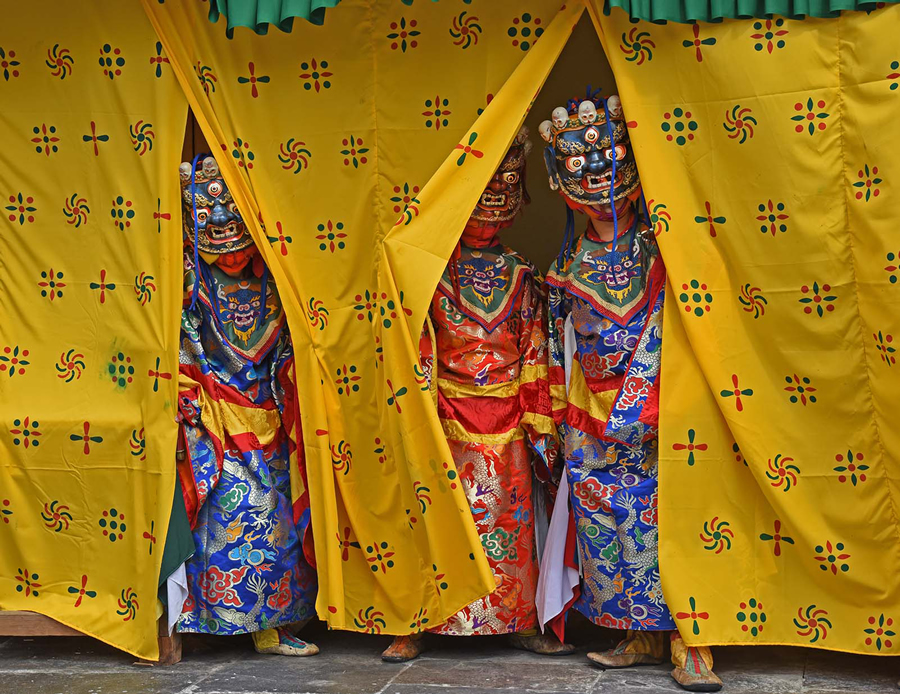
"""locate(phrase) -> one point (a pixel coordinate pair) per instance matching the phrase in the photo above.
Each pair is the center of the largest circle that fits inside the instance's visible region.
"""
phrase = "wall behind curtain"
(769, 153)
(329, 135)
(90, 290)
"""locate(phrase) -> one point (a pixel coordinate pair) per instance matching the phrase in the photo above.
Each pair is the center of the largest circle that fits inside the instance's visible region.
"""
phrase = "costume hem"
(244, 632)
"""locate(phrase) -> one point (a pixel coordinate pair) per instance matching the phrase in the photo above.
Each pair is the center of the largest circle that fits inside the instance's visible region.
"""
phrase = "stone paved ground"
(349, 664)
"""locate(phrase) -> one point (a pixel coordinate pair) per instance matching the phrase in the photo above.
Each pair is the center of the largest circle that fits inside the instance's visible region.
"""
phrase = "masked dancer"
(606, 294)
(240, 439)
(484, 351)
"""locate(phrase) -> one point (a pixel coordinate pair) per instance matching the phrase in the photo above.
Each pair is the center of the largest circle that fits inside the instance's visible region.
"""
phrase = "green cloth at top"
(688, 11)
(179, 545)
(259, 14)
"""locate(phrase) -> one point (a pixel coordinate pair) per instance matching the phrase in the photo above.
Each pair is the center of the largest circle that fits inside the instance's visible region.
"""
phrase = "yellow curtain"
(768, 150)
(328, 136)
(90, 290)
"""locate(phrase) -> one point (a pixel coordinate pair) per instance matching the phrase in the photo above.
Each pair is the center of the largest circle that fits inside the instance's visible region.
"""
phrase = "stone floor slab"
(350, 664)
(524, 672)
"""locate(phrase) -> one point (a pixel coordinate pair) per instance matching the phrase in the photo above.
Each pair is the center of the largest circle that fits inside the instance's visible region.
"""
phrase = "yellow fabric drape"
(328, 135)
(768, 150)
(90, 290)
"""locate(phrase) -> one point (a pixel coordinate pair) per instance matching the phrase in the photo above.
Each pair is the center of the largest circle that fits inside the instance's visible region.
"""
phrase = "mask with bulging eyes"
(581, 150)
(505, 193)
(220, 226)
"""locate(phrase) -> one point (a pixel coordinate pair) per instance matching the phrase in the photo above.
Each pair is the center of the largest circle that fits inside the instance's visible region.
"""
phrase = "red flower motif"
(594, 496)
(217, 585)
(281, 598)
(596, 366)
(613, 623)
(635, 389)
(650, 516)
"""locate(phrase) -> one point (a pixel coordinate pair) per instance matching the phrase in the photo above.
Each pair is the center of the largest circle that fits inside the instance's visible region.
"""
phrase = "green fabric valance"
(259, 14)
(687, 11)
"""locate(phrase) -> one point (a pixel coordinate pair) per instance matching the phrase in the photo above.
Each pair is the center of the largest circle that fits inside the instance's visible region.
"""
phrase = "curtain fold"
(325, 152)
(767, 153)
(90, 295)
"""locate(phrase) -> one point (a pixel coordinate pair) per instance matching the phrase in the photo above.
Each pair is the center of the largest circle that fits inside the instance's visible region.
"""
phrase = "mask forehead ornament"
(220, 227)
(581, 147)
(505, 193)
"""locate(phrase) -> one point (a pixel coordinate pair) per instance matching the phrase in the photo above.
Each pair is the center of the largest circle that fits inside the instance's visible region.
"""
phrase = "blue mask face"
(220, 226)
(580, 156)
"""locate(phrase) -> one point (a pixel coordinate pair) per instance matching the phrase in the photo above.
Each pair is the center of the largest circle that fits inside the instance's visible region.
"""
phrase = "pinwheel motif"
(56, 516)
(752, 300)
(138, 444)
(465, 30)
(813, 623)
(207, 78)
(70, 365)
(294, 155)
(317, 313)
(341, 457)
(739, 123)
(659, 217)
(128, 605)
(717, 535)
(371, 620)
(76, 210)
(637, 46)
(144, 288)
(142, 136)
(782, 472)
(422, 497)
(60, 61)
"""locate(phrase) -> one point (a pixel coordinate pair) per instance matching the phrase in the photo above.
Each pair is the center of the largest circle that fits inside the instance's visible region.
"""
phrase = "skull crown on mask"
(505, 193)
(581, 147)
(220, 226)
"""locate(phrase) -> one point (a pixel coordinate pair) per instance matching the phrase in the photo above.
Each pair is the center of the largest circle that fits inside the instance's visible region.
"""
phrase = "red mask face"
(505, 193)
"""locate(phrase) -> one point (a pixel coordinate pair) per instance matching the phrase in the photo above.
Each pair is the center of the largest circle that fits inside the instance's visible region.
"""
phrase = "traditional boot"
(693, 666)
(281, 642)
(542, 644)
(404, 648)
(638, 648)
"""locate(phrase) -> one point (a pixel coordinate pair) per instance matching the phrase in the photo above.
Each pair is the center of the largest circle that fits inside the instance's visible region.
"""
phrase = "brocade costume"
(488, 367)
(610, 429)
(494, 402)
(606, 303)
(238, 410)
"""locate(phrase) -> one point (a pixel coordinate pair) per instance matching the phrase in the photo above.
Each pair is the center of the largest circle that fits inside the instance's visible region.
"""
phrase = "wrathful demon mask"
(220, 229)
(504, 195)
(583, 140)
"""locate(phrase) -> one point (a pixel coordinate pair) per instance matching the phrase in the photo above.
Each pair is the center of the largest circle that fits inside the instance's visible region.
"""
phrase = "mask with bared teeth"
(220, 228)
(580, 152)
(505, 193)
